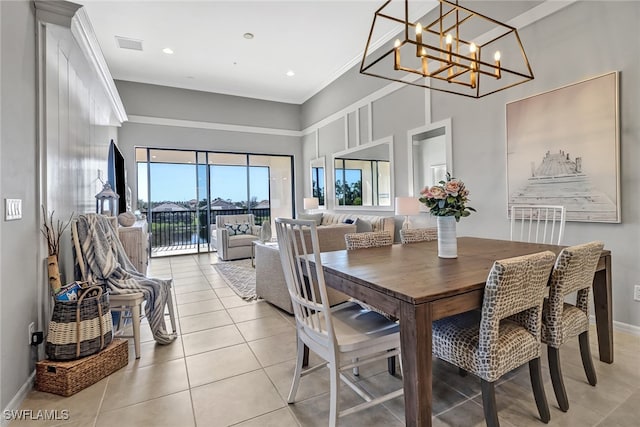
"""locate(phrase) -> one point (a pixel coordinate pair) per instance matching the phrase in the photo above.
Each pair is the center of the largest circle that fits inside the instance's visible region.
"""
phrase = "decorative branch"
(53, 233)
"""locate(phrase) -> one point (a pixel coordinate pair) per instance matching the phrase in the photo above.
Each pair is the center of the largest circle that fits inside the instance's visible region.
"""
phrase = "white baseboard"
(620, 326)
(18, 398)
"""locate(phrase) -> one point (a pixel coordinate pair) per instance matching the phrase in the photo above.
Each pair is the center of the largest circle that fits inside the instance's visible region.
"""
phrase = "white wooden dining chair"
(344, 336)
(538, 223)
(128, 305)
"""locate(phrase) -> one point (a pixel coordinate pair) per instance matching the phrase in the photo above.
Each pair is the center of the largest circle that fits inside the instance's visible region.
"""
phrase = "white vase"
(447, 241)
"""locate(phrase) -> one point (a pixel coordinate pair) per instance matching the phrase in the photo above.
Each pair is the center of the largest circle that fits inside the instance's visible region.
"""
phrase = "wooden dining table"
(412, 283)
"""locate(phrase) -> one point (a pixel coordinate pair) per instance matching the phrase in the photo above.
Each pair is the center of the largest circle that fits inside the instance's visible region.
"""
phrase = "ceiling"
(316, 39)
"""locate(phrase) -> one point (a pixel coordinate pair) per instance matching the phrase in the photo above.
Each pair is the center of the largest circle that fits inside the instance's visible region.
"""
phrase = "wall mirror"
(429, 154)
(363, 175)
(318, 181)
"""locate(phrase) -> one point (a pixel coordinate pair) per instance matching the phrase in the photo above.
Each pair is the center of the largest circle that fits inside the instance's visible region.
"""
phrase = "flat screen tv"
(117, 175)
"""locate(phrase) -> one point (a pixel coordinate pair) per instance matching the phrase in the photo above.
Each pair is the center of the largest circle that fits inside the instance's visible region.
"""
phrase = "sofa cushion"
(363, 226)
(317, 217)
(237, 229)
(379, 223)
(241, 240)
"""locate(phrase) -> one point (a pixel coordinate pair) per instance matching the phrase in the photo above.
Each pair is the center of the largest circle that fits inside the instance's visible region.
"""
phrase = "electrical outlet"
(636, 293)
(32, 330)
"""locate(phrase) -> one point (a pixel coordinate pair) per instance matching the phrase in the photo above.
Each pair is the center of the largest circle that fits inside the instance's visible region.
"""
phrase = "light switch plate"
(12, 209)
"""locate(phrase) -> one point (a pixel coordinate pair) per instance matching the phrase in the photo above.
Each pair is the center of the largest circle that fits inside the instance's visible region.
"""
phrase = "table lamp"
(311, 203)
(407, 206)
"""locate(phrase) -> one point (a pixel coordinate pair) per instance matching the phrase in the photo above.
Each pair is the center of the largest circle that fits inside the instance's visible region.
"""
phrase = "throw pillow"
(363, 226)
(315, 217)
(236, 229)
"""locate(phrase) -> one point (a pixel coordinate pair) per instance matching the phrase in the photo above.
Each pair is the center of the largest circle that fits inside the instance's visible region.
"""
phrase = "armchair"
(234, 236)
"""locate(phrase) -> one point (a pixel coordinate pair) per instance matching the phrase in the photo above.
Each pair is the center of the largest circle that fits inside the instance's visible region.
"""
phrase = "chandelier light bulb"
(448, 39)
(496, 56)
(473, 48)
(396, 58)
(418, 28)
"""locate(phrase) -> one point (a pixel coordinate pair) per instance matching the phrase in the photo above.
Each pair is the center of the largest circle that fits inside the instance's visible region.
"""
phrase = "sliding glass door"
(182, 192)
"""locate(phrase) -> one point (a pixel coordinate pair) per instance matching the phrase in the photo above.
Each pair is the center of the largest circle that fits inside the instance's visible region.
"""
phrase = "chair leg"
(333, 393)
(535, 372)
(391, 365)
(298, 371)
(356, 369)
(587, 362)
(135, 320)
(489, 403)
(305, 357)
(556, 378)
(172, 314)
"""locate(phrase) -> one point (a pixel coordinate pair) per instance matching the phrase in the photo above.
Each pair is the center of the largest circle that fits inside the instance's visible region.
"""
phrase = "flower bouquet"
(447, 199)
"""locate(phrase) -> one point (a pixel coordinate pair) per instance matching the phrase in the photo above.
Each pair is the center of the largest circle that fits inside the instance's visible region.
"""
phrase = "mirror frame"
(411, 136)
(314, 163)
(387, 140)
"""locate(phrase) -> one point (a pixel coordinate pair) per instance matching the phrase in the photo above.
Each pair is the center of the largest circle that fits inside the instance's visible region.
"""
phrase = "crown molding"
(56, 12)
(162, 121)
(74, 17)
(82, 31)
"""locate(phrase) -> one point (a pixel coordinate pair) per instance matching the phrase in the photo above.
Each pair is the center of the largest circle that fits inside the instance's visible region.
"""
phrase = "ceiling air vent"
(128, 43)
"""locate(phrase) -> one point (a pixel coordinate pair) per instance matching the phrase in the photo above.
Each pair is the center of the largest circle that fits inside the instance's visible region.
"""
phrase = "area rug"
(240, 276)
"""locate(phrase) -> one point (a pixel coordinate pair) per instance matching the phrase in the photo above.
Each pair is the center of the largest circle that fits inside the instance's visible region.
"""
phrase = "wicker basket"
(67, 378)
(80, 328)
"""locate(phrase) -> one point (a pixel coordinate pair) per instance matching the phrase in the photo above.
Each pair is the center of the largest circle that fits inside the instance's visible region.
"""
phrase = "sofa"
(270, 282)
(234, 236)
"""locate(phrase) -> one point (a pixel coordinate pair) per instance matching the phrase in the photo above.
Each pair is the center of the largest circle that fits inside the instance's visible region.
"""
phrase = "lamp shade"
(311, 203)
(407, 206)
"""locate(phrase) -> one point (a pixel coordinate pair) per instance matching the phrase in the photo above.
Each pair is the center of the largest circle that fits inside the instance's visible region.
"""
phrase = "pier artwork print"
(563, 149)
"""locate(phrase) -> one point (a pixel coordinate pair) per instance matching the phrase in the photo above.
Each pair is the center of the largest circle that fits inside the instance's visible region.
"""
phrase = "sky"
(177, 182)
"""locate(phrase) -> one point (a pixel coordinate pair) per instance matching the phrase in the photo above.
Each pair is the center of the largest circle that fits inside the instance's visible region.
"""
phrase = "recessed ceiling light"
(168, 50)
(290, 73)
(248, 36)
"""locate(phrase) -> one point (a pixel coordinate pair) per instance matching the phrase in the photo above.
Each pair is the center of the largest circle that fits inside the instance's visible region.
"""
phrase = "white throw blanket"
(106, 263)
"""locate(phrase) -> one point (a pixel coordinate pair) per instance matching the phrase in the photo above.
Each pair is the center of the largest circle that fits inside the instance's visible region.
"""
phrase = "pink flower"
(453, 187)
(436, 192)
(464, 192)
(424, 191)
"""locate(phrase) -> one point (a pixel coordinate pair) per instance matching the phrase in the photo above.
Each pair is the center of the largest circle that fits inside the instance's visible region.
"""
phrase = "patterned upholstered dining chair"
(343, 336)
(415, 235)
(371, 239)
(561, 321)
(505, 334)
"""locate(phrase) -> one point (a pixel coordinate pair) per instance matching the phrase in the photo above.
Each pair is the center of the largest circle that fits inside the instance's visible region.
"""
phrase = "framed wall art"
(563, 149)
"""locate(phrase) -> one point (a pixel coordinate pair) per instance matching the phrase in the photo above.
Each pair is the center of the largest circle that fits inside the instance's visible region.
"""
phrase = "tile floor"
(233, 363)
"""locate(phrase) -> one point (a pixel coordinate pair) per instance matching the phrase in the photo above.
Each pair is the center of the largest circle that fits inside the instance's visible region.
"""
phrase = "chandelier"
(460, 51)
